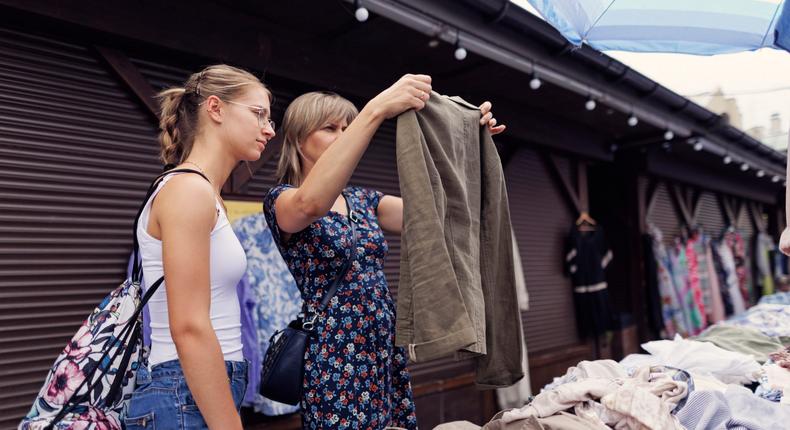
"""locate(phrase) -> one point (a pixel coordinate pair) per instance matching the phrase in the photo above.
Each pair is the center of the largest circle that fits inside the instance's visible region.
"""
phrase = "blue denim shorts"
(162, 401)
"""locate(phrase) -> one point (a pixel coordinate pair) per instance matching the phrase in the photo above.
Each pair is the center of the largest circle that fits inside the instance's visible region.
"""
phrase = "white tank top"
(227, 264)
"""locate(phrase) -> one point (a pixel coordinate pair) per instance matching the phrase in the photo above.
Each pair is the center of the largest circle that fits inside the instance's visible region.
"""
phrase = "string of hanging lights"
(592, 101)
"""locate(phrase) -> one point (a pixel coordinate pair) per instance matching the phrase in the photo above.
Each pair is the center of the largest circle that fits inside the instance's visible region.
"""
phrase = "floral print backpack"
(92, 380)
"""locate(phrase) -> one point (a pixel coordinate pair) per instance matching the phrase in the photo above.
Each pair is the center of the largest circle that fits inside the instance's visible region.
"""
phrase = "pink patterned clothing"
(694, 286)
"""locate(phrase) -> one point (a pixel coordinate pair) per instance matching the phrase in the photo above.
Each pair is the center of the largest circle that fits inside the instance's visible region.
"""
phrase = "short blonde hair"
(178, 115)
(306, 114)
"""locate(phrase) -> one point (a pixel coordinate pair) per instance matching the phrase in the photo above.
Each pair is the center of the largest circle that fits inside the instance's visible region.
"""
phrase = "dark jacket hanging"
(586, 258)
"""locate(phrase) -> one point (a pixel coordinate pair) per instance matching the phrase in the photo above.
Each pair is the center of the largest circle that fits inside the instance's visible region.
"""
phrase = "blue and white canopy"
(701, 27)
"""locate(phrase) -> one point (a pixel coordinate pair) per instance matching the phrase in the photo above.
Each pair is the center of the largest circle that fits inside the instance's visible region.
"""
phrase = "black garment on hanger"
(586, 258)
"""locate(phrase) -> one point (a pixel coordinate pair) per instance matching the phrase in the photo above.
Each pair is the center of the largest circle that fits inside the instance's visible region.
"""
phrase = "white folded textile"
(695, 357)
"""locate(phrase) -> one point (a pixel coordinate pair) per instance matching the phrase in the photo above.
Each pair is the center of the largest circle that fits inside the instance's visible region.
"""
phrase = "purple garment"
(249, 340)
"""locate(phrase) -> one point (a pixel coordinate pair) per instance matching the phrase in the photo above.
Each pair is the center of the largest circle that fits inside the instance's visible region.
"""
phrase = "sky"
(744, 72)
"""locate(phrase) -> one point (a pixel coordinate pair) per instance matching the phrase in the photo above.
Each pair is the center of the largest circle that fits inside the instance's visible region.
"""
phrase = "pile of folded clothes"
(734, 375)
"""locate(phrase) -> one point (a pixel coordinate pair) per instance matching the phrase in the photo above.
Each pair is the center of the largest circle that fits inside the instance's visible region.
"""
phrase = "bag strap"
(137, 266)
(352, 220)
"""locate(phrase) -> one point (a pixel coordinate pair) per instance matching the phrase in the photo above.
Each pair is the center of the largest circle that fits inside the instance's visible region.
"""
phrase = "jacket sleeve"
(606, 252)
(570, 255)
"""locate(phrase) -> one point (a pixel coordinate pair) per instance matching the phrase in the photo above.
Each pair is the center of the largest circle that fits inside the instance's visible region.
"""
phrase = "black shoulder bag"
(282, 374)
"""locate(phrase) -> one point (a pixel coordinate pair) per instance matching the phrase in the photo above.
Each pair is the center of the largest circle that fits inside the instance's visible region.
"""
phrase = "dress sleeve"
(375, 198)
(269, 211)
(367, 198)
(370, 196)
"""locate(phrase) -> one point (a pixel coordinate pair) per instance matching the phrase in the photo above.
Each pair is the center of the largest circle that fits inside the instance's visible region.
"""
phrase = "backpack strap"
(137, 266)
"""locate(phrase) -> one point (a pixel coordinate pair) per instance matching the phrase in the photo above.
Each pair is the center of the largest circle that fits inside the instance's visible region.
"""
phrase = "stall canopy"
(700, 27)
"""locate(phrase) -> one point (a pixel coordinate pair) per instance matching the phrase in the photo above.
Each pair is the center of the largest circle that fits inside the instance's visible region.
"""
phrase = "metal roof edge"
(516, 38)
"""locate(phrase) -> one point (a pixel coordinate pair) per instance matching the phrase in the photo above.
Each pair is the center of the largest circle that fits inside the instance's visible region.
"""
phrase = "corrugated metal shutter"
(76, 156)
(159, 75)
(745, 225)
(541, 221)
(664, 216)
(709, 215)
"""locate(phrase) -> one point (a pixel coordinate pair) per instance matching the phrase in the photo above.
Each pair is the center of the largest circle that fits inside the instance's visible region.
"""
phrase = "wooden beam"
(651, 195)
(131, 76)
(684, 194)
(737, 207)
(146, 94)
(763, 217)
(227, 187)
(641, 205)
(726, 209)
(569, 193)
(506, 150)
(582, 190)
(242, 174)
(442, 385)
(559, 354)
(696, 198)
(680, 204)
(709, 178)
(756, 212)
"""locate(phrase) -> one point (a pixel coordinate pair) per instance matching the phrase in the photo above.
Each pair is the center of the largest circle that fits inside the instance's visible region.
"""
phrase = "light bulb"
(633, 121)
(590, 104)
(460, 53)
(535, 83)
(361, 14)
(668, 135)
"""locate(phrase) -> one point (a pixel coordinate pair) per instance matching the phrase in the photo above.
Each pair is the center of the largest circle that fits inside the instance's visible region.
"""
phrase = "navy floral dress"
(355, 378)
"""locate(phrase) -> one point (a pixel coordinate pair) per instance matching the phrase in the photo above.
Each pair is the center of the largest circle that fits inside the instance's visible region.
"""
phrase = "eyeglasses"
(262, 120)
